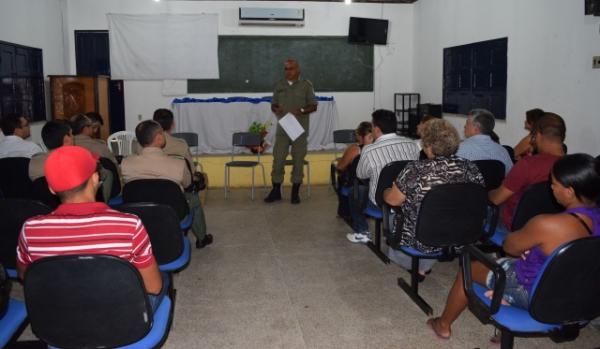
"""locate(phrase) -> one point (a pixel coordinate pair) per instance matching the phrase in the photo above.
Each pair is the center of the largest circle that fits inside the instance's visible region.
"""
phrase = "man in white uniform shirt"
(386, 148)
(14, 145)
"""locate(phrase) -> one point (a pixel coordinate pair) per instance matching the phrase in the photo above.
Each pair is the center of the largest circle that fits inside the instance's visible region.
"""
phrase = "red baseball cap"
(68, 167)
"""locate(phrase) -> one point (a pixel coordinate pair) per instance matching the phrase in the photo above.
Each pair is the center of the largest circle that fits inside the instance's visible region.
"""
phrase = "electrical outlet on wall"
(596, 62)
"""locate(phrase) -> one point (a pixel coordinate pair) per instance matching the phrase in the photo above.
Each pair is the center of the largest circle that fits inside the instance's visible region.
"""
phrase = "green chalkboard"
(255, 63)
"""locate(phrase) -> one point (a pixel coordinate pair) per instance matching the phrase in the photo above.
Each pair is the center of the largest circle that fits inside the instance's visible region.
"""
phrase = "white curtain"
(164, 46)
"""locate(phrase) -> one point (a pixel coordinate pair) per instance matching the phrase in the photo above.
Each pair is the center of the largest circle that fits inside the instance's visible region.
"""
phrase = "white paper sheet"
(291, 126)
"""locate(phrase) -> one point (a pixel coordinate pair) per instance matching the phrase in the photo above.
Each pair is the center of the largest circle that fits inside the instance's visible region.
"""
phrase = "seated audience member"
(524, 147)
(55, 133)
(97, 124)
(478, 144)
(439, 141)
(83, 131)
(153, 163)
(177, 146)
(548, 136)
(387, 147)
(576, 186)
(71, 175)
(347, 172)
(424, 119)
(16, 130)
(173, 145)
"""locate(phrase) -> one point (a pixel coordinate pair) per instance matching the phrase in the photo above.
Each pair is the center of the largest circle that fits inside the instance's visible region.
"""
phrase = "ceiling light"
(347, 2)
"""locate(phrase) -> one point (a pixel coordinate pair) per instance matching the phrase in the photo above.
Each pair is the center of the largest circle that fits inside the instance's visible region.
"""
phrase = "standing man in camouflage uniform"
(296, 96)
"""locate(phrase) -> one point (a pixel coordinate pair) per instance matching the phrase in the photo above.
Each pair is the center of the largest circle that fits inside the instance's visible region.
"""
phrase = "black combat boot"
(295, 193)
(275, 194)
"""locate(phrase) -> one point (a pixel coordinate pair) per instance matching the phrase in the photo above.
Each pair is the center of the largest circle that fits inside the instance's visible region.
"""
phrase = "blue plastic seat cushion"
(12, 320)
(413, 252)
(513, 318)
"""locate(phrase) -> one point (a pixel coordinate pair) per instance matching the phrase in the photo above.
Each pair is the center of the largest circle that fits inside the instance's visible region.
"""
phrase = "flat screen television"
(368, 31)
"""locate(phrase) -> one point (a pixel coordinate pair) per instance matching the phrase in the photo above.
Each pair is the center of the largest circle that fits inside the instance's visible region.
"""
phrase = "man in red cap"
(80, 225)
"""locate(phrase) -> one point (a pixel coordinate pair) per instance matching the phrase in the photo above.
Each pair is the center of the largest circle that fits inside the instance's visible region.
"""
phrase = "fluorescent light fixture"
(347, 2)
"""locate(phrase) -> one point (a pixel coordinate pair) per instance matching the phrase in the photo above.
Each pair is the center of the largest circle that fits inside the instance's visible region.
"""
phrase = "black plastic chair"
(244, 139)
(511, 152)
(14, 178)
(563, 299)
(160, 191)
(41, 193)
(346, 136)
(13, 213)
(170, 248)
(191, 138)
(493, 172)
(93, 301)
(536, 199)
(387, 176)
(451, 216)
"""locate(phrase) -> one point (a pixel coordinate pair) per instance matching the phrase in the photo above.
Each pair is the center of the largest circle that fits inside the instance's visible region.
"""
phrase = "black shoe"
(208, 239)
(295, 194)
(275, 194)
(420, 277)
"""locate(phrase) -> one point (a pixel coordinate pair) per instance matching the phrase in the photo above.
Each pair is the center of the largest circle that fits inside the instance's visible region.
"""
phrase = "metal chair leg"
(264, 177)
(225, 181)
(507, 340)
(412, 290)
(308, 176)
(252, 184)
(375, 245)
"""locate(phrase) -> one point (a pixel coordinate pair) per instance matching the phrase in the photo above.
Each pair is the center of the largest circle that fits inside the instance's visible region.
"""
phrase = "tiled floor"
(284, 276)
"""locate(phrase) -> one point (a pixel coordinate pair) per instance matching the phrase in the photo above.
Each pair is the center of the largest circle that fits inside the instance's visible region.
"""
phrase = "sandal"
(431, 324)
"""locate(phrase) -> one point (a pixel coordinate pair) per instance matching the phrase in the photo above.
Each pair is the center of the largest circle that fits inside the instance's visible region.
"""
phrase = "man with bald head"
(297, 96)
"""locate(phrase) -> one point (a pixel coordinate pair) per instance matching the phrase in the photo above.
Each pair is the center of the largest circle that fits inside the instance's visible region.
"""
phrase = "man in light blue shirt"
(478, 145)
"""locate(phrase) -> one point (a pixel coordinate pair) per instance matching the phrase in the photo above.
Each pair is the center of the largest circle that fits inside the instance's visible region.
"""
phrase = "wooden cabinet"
(72, 95)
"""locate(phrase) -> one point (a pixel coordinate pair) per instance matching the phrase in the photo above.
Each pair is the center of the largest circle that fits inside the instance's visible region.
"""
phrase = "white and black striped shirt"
(387, 148)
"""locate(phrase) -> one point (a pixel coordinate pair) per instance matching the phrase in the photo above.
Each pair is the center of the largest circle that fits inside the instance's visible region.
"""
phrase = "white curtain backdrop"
(164, 46)
(216, 120)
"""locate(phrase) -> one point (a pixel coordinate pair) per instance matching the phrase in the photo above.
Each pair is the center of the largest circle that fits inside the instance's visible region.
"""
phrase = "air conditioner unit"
(272, 16)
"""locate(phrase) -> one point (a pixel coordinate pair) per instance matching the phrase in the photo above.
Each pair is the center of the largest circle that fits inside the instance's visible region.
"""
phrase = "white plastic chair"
(123, 141)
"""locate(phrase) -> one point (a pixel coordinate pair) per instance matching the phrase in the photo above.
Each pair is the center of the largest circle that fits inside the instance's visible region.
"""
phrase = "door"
(92, 57)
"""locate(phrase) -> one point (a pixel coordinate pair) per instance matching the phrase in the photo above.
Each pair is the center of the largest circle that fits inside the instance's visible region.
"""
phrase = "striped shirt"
(387, 148)
(85, 228)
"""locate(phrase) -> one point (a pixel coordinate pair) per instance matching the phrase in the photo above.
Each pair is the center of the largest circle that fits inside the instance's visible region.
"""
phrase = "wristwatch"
(302, 110)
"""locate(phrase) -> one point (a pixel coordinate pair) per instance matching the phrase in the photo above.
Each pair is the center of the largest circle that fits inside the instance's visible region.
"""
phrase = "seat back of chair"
(452, 215)
(115, 189)
(245, 139)
(387, 176)
(160, 191)
(86, 301)
(345, 136)
(41, 192)
(14, 178)
(510, 151)
(568, 287)
(5, 287)
(122, 141)
(492, 172)
(13, 213)
(537, 199)
(191, 138)
(162, 226)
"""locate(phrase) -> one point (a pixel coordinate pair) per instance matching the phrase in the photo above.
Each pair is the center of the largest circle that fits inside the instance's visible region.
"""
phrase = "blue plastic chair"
(169, 246)
(563, 299)
(93, 301)
(12, 320)
(451, 215)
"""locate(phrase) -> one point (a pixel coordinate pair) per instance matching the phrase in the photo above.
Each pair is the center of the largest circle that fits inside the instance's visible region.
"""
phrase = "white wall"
(393, 62)
(550, 49)
(37, 24)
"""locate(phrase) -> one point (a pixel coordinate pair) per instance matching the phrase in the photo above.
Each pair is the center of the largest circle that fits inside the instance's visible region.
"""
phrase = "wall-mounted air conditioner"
(272, 16)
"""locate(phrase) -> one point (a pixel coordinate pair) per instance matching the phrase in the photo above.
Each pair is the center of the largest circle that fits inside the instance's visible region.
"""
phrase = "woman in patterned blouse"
(440, 141)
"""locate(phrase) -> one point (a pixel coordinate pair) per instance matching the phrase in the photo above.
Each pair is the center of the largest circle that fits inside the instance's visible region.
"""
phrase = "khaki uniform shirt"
(36, 165)
(153, 163)
(96, 146)
(179, 147)
(297, 95)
